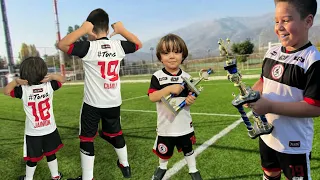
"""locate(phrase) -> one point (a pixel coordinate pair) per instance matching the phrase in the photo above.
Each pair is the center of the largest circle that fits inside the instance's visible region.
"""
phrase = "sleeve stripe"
(151, 91)
(137, 47)
(59, 84)
(12, 94)
(261, 79)
(312, 101)
(70, 49)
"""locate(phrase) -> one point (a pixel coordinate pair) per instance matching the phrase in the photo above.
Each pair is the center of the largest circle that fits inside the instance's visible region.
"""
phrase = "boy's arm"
(295, 109)
(13, 89)
(9, 87)
(66, 44)
(258, 86)
(120, 29)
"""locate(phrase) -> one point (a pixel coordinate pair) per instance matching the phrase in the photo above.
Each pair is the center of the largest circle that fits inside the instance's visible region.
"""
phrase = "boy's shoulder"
(158, 72)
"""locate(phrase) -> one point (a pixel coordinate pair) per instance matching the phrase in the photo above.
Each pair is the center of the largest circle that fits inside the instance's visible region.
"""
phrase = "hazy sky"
(32, 21)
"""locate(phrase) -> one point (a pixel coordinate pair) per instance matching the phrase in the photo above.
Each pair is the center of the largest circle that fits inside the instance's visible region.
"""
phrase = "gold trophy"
(191, 85)
(246, 95)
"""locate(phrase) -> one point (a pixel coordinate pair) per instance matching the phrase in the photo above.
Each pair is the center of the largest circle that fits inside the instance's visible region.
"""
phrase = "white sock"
(122, 155)
(163, 163)
(87, 164)
(53, 166)
(191, 162)
(30, 172)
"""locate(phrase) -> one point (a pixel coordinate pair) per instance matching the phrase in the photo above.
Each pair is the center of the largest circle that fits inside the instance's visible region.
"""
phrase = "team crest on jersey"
(277, 71)
(163, 149)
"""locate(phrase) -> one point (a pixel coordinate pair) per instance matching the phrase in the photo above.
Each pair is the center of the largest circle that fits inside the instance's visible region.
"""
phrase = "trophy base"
(168, 105)
(259, 130)
(192, 85)
(252, 96)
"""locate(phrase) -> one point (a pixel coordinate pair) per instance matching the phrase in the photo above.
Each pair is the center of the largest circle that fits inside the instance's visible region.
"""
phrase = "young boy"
(290, 86)
(173, 131)
(102, 98)
(42, 138)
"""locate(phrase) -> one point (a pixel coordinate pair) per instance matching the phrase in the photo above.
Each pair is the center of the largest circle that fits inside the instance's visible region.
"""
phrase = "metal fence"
(74, 70)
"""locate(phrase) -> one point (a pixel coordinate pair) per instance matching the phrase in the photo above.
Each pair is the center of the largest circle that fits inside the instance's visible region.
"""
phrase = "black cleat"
(196, 176)
(126, 170)
(158, 174)
(22, 178)
(77, 178)
(57, 177)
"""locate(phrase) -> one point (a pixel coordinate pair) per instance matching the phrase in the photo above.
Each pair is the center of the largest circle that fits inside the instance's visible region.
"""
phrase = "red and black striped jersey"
(101, 63)
(38, 106)
(167, 123)
(291, 77)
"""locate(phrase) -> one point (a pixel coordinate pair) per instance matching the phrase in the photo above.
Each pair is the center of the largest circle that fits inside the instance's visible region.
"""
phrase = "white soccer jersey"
(38, 106)
(167, 123)
(291, 77)
(101, 64)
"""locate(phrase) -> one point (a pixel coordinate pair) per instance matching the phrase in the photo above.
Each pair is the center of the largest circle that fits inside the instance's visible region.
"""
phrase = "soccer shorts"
(164, 145)
(294, 166)
(35, 147)
(90, 118)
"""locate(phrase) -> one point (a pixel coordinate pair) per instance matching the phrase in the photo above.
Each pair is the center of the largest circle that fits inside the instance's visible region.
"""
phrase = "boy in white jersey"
(172, 131)
(42, 138)
(102, 98)
(290, 89)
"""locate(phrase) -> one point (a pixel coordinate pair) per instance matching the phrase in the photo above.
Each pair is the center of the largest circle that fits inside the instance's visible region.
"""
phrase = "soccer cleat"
(22, 178)
(77, 178)
(158, 174)
(126, 171)
(58, 177)
(196, 176)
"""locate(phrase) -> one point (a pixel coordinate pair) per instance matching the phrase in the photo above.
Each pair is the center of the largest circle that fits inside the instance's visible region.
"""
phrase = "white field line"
(203, 114)
(179, 165)
(138, 97)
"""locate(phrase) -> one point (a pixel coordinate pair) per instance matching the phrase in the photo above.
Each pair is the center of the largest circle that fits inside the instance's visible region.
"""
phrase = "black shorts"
(35, 147)
(164, 145)
(90, 118)
(292, 165)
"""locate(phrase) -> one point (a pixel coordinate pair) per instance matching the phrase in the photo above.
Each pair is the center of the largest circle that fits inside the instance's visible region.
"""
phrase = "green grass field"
(235, 156)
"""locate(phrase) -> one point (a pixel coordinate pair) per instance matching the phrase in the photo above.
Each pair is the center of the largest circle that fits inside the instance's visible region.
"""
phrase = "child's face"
(171, 60)
(291, 30)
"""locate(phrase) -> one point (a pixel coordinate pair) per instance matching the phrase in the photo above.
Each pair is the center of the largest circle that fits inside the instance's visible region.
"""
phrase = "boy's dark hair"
(100, 20)
(304, 7)
(33, 69)
(178, 45)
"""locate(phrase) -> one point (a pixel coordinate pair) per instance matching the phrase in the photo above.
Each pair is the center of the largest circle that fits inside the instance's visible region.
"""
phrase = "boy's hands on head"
(21, 81)
(176, 89)
(88, 27)
(117, 28)
(47, 78)
(190, 99)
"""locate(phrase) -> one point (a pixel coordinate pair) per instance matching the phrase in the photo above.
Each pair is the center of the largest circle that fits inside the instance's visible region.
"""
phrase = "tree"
(75, 27)
(242, 50)
(28, 51)
(2, 63)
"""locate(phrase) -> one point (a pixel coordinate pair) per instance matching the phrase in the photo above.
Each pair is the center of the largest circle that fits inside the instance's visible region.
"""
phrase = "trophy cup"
(191, 85)
(247, 95)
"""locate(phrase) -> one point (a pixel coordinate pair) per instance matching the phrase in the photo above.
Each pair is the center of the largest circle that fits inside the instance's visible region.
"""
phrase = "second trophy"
(247, 95)
(191, 84)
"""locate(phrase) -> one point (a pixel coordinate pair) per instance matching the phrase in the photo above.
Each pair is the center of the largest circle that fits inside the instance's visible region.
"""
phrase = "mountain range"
(202, 37)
